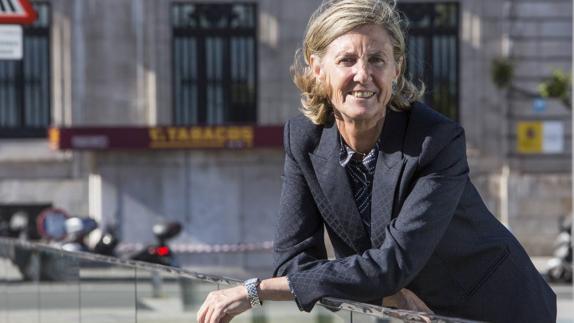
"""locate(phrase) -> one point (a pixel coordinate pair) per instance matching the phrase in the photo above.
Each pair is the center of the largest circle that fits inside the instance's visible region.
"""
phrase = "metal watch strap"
(251, 286)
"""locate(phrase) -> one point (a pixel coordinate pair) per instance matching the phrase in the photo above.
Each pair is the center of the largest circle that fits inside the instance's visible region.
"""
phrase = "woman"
(387, 177)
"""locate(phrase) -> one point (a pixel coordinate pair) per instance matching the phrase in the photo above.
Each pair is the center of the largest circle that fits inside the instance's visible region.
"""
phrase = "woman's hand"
(406, 300)
(223, 305)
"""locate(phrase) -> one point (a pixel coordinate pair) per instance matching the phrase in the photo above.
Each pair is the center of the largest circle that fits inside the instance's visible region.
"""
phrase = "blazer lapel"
(343, 215)
(387, 174)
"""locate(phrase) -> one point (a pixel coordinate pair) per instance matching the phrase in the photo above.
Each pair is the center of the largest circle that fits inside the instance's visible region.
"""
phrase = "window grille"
(214, 63)
(25, 84)
(433, 52)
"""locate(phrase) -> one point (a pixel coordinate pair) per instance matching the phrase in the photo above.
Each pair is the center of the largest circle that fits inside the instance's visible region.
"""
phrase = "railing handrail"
(331, 303)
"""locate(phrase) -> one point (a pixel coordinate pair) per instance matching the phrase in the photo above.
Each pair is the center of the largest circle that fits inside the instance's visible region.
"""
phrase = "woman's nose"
(362, 73)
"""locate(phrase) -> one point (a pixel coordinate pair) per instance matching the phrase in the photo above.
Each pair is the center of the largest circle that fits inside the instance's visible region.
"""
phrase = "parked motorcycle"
(108, 242)
(60, 230)
(77, 229)
(70, 233)
(160, 252)
(559, 267)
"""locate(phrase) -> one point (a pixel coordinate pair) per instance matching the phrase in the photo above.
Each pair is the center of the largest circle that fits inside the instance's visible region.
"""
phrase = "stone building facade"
(111, 64)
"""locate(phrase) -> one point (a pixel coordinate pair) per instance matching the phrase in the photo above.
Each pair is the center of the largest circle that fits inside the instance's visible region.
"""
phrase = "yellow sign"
(54, 137)
(202, 137)
(529, 137)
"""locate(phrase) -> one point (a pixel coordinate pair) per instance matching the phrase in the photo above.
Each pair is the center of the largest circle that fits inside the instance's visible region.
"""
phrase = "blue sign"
(539, 105)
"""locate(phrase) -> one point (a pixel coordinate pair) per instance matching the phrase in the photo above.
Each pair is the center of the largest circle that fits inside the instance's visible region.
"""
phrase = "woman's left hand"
(223, 305)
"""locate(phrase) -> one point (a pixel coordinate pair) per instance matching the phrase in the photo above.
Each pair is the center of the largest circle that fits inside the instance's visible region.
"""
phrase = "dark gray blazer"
(430, 230)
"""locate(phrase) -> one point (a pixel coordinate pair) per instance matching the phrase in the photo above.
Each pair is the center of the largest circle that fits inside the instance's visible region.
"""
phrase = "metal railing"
(41, 283)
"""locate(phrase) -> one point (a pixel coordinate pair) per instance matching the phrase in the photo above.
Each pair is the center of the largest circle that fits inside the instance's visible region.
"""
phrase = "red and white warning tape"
(205, 248)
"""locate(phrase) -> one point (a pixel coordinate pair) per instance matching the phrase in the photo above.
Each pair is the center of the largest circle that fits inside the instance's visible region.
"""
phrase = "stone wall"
(111, 65)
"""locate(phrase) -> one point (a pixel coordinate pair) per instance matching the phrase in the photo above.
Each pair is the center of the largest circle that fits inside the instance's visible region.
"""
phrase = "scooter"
(77, 229)
(160, 252)
(39, 265)
(57, 229)
(559, 267)
(108, 242)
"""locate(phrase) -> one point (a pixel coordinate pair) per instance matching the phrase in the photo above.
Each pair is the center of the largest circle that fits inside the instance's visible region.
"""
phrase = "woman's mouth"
(362, 94)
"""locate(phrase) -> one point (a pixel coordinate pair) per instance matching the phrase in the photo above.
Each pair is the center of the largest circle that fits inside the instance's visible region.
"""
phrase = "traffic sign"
(17, 12)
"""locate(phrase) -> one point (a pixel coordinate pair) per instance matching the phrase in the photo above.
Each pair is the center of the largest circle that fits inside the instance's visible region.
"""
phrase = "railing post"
(322, 318)
(259, 316)
(188, 294)
(156, 283)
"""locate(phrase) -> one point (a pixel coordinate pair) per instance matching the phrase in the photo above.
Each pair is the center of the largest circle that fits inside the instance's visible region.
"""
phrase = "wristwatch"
(251, 286)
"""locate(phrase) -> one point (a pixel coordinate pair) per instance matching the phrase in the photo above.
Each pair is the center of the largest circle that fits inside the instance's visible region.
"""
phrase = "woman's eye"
(377, 60)
(347, 60)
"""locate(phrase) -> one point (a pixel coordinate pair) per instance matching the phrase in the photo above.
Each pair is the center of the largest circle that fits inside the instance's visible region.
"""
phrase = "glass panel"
(59, 287)
(40, 284)
(251, 68)
(185, 80)
(416, 58)
(165, 297)
(27, 63)
(215, 94)
(453, 86)
(326, 314)
(22, 285)
(45, 77)
(185, 60)
(364, 318)
(288, 312)
(29, 81)
(8, 108)
(177, 75)
(5, 264)
(107, 292)
(192, 77)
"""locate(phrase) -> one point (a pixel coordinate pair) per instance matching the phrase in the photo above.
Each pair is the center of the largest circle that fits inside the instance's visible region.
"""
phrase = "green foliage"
(557, 86)
(502, 71)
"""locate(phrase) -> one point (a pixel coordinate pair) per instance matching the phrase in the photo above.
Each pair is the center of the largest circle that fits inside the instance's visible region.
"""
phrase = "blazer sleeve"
(299, 242)
(411, 237)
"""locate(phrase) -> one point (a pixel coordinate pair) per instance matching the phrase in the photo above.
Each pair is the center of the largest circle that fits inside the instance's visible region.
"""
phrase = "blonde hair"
(331, 20)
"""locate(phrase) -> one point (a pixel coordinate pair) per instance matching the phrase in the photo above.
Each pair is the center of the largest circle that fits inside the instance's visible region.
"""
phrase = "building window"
(433, 52)
(25, 84)
(214, 63)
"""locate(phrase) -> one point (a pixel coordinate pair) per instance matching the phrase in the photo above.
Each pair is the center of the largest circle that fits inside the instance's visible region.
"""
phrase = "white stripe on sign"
(11, 8)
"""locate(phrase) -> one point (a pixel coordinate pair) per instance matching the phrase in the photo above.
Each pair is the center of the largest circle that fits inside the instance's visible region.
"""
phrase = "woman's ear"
(398, 67)
(315, 63)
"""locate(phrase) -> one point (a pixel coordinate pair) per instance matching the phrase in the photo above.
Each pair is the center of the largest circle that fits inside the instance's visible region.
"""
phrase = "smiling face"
(359, 67)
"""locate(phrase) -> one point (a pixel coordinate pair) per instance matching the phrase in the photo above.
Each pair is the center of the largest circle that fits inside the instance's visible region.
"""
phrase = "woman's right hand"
(406, 300)
(223, 305)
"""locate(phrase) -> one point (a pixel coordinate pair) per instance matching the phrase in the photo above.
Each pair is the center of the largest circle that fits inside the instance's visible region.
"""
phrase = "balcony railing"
(40, 283)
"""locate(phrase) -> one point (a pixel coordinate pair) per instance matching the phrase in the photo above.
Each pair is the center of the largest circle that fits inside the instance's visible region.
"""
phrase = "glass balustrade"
(41, 283)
